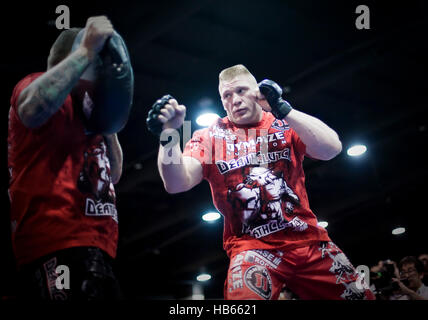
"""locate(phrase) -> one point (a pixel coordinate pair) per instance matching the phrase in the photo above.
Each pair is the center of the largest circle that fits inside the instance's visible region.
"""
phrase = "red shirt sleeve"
(15, 122)
(17, 130)
(199, 148)
(298, 143)
(25, 82)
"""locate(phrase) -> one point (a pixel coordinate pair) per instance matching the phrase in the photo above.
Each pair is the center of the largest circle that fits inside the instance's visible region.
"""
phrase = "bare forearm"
(43, 97)
(321, 141)
(115, 155)
(172, 169)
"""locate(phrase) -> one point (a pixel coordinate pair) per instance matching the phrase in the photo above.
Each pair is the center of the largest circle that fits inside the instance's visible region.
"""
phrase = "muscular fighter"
(269, 251)
(62, 171)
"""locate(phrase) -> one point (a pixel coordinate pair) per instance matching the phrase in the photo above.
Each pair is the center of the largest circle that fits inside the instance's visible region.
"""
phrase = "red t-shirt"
(60, 187)
(258, 184)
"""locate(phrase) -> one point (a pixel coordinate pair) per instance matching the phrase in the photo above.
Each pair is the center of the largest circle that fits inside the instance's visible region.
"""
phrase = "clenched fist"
(97, 31)
(165, 113)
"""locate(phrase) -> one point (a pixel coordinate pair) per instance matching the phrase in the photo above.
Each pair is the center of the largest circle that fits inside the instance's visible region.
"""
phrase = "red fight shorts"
(316, 272)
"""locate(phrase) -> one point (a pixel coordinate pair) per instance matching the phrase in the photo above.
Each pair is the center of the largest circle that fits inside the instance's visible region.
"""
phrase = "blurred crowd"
(406, 279)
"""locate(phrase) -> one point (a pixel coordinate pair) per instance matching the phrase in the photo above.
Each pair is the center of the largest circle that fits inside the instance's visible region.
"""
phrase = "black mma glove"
(272, 92)
(153, 123)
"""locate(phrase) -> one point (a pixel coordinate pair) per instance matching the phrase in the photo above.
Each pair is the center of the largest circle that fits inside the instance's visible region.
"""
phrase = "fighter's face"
(239, 98)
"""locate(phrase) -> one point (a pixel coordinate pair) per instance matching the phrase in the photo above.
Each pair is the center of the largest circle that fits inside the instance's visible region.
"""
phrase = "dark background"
(368, 85)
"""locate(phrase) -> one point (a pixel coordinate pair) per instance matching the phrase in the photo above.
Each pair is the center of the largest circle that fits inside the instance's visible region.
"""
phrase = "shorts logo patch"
(257, 278)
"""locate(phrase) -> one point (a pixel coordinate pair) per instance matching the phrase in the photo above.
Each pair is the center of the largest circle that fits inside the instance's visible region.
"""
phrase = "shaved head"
(62, 46)
(235, 71)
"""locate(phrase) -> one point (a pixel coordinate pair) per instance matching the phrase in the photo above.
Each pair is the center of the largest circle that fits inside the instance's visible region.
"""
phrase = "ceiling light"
(323, 224)
(203, 277)
(398, 231)
(206, 119)
(357, 150)
(211, 216)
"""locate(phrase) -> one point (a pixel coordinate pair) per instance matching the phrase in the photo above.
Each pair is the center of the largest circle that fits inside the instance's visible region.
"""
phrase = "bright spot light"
(211, 216)
(398, 231)
(203, 277)
(323, 224)
(357, 150)
(206, 119)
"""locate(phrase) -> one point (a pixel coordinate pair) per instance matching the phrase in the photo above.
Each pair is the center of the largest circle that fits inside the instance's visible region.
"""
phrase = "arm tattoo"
(51, 89)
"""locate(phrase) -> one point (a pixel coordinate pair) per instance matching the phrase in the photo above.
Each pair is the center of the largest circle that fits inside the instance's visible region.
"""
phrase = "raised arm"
(44, 96)
(321, 141)
(178, 173)
(179, 177)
